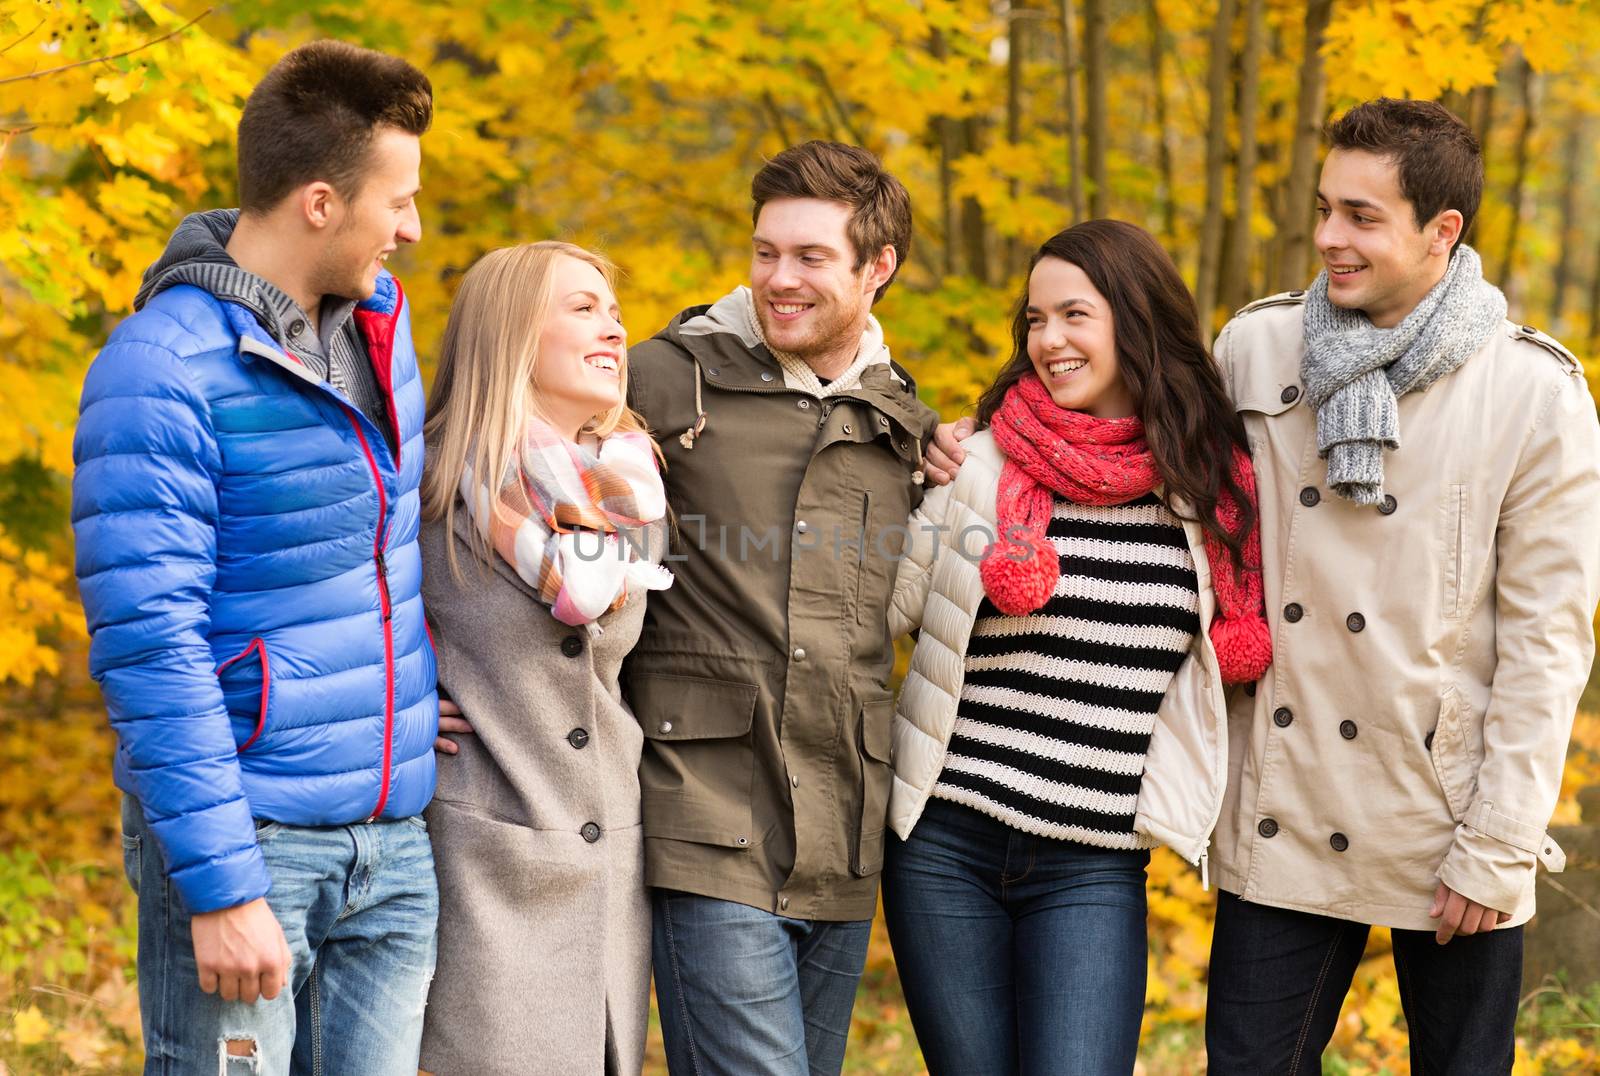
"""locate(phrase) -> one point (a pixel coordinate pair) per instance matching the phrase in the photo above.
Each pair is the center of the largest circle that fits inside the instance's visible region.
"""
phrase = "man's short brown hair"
(1436, 154)
(880, 208)
(314, 116)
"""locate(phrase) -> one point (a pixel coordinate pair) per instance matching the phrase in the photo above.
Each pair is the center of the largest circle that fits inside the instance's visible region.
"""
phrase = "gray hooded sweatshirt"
(197, 254)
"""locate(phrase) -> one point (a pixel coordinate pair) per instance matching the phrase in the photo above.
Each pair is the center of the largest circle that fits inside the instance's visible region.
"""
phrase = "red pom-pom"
(1019, 572)
(1244, 647)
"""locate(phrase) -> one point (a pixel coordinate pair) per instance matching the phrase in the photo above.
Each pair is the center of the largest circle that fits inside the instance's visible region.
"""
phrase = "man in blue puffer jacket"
(245, 504)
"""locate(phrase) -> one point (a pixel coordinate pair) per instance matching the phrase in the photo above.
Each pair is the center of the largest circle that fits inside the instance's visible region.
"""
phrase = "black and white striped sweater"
(1057, 707)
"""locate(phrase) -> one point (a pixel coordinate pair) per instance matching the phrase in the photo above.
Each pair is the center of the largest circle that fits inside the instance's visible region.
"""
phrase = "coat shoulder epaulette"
(1283, 298)
(1569, 362)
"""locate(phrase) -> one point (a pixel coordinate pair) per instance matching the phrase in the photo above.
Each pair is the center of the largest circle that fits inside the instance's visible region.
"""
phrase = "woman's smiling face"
(1072, 342)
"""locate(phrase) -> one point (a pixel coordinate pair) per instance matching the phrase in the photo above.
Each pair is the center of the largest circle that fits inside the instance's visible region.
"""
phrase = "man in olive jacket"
(793, 450)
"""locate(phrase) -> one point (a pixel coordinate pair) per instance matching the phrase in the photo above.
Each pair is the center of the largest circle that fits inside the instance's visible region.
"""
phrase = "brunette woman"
(542, 502)
(1064, 712)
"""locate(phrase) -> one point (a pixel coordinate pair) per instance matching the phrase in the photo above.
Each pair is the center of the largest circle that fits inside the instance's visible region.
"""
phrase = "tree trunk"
(1594, 304)
(974, 228)
(1216, 161)
(1236, 289)
(1300, 195)
(1017, 35)
(1070, 69)
(1572, 156)
(1517, 198)
(945, 131)
(1166, 187)
(1095, 48)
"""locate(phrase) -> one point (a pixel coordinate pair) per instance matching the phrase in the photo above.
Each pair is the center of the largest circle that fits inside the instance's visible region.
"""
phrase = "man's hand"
(945, 453)
(450, 720)
(1458, 915)
(241, 952)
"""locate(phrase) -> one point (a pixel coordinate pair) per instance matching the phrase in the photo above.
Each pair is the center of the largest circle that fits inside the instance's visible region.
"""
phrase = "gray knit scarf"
(1355, 372)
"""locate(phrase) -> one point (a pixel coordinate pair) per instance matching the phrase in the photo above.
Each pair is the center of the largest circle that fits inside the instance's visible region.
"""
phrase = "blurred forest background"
(634, 126)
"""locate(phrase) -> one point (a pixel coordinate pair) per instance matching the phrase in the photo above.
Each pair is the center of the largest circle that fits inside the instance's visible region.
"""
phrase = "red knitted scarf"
(1051, 450)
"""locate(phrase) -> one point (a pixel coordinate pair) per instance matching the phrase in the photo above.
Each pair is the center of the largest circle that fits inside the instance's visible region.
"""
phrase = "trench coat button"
(1347, 729)
(1292, 612)
(1529, 329)
(1267, 827)
(1355, 622)
(1296, 294)
(799, 653)
(578, 738)
(296, 327)
(783, 904)
(802, 526)
(572, 646)
(1309, 496)
(1388, 505)
(666, 727)
(590, 832)
(1283, 717)
(1427, 741)
(1339, 842)
(1290, 394)
(766, 375)
(1250, 689)
(804, 405)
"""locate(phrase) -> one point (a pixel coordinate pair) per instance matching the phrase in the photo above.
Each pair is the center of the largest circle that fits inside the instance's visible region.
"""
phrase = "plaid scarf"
(568, 515)
(1052, 450)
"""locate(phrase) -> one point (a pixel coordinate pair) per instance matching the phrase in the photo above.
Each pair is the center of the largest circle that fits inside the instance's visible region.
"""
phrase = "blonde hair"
(480, 402)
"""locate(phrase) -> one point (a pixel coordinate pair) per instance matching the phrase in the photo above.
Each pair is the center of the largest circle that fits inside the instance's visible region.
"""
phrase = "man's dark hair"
(314, 116)
(880, 208)
(1436, 154)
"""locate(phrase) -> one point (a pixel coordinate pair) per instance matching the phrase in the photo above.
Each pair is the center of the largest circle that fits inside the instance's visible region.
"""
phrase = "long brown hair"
(1189, 421)
(486, 386)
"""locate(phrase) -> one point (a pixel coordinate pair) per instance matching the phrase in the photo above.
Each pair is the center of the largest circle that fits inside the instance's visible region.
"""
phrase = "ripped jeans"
(358, 906)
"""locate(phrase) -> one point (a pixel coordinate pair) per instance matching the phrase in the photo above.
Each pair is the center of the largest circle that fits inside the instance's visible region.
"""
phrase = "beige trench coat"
(544, 920)
(1429, 653)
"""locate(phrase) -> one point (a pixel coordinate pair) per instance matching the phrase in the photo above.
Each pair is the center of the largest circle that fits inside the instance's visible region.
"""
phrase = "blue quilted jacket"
(247, 558)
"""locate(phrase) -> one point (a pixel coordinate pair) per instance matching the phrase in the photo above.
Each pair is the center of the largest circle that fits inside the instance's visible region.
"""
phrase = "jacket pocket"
(1456, 752)
(246, 680)
(699, 761)
(1455, 547)
(874, 740)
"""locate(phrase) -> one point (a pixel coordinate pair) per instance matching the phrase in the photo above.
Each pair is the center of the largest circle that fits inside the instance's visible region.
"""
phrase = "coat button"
(572, 646)
(666, 727)
(1296, 294)
(590, 832)
(1309, 496)
(296, 327)
(1283, 717)
(1267, 828)
(766, 375)
(783, 904)
(794, 782)
(804, 405)
(1339, 842)
(1290, 394)
(578, 738)
(848, 429)
(1388, 505)
(741, 841)
(799, 653)
(1347, 729)
(714, 372)
(1292, 612)
(883, 422)
(1355, 622)
(802, 526)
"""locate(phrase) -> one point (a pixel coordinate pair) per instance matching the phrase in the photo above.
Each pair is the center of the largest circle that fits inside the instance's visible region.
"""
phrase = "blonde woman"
(534, 585)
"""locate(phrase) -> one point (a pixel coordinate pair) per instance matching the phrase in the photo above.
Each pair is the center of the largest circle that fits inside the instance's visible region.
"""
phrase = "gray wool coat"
(544, 923)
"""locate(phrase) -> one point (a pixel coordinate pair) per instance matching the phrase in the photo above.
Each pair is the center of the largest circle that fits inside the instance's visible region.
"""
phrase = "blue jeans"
(744, 991)
(1017, 954)
(1278, 979)
(357, 904)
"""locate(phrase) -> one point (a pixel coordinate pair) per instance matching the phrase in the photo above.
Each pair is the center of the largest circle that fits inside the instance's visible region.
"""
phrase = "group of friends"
(444, 721)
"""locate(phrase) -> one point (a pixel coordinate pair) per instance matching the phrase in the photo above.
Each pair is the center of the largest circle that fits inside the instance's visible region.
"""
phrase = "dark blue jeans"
(1278, 978)
(358, 906)
(1017, 954)
(744, 991)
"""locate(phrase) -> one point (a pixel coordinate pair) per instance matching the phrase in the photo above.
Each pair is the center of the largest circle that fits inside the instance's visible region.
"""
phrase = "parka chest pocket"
(699, 761)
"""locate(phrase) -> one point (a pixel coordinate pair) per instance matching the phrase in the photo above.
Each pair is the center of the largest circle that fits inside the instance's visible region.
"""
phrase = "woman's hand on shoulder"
(451, 720)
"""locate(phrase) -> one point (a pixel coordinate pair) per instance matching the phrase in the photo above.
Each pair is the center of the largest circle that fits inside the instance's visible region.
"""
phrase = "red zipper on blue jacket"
(388, 618)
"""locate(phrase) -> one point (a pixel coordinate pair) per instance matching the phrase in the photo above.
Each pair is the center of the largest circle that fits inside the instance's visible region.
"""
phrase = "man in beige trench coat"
(1429, 476)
